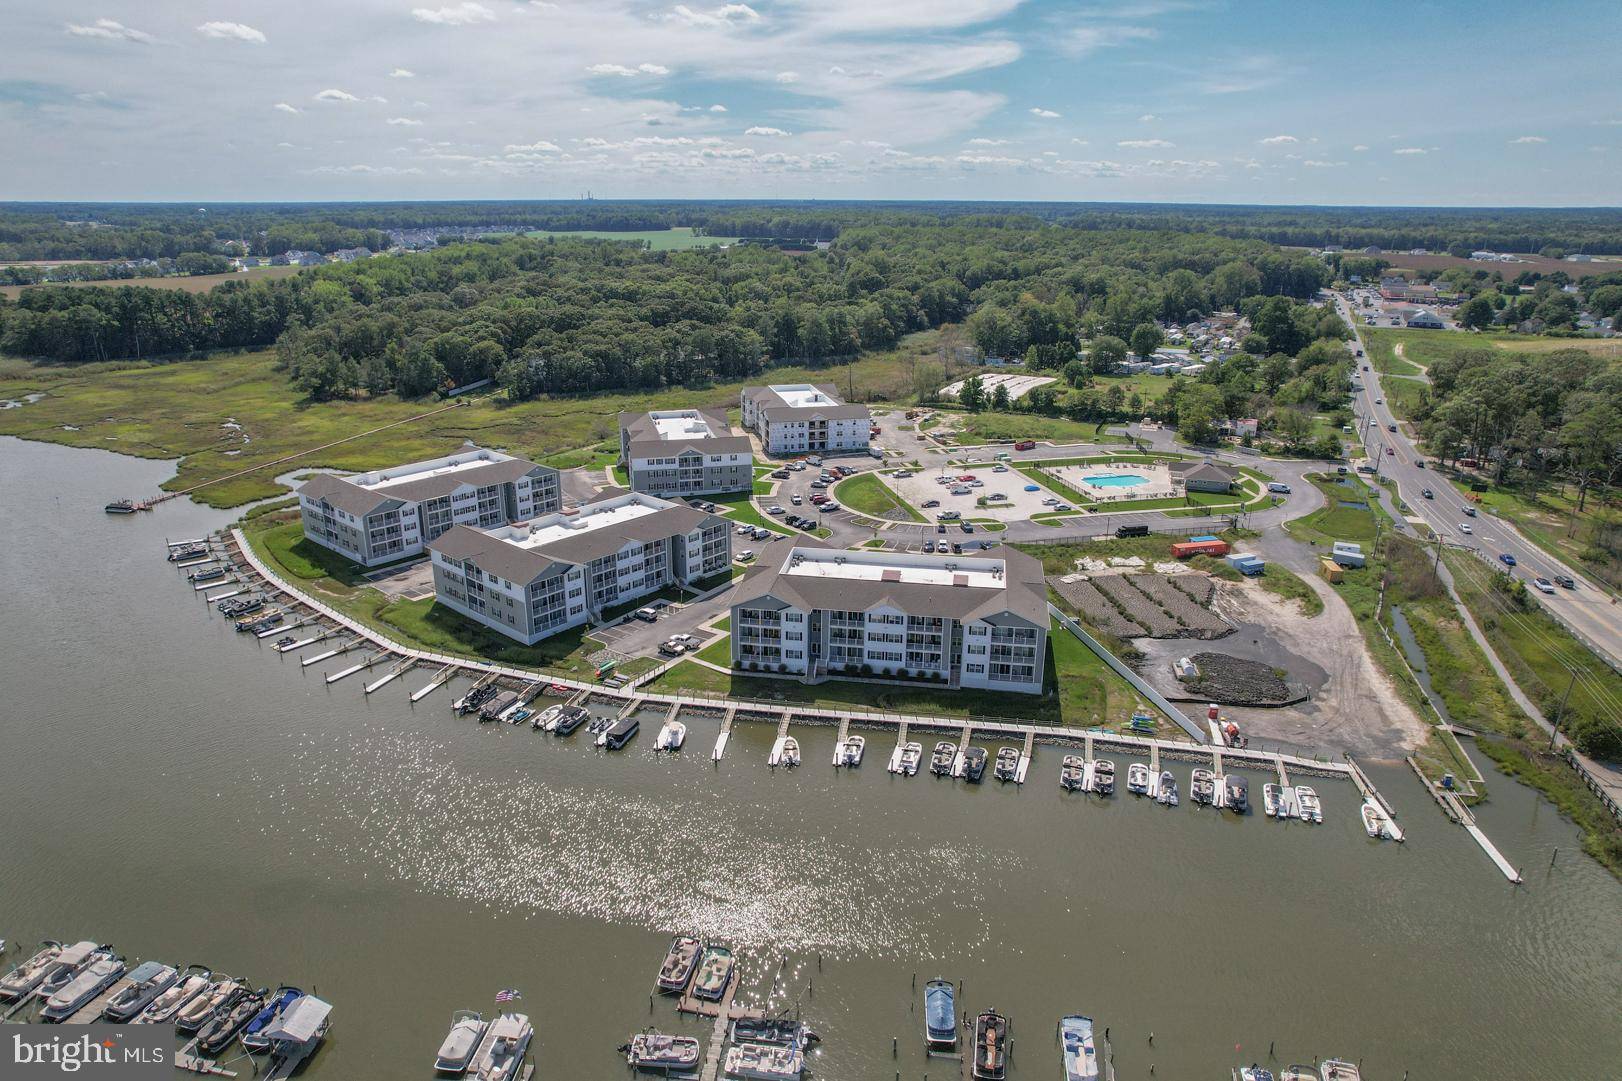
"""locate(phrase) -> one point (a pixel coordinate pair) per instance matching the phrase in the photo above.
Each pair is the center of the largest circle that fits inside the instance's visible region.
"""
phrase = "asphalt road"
(1587, 610)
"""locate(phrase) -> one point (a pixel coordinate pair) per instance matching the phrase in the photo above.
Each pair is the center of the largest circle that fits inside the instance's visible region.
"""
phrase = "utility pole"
(1554, 734)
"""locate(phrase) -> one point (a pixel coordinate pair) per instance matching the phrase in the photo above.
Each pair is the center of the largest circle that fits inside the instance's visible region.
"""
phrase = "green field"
(866, 494)
(680, 238)
(1422, 348)
(989, 427)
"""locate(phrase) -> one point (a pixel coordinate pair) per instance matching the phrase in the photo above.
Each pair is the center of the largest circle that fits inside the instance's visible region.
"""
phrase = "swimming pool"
(1115, 480)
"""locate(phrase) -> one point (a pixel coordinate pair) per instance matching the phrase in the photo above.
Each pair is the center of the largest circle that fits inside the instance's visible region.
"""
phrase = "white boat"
(27, 975)
(144, 983)
(907, 760)
(1378, 823)
(460, 1044)
(70, 961)
(1272, 803)
(161, 1010)
(671, 736)
(1137, 779)
(1073, 773)
(849, 752)
(95, 978)
(502, 1054)
(546, 718)
(1202, 786)
(660, 1053)
(1252, 1073)
(1299, 1073)
(1104, 777)
(1167, 795)
(1334, 1069)
(218, 995)
(791, 752)
(1077, 1047)
(1307, 804)
(766, 1062)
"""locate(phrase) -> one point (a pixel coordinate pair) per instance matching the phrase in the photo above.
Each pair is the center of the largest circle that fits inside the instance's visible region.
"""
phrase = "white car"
(744, 529)
(999, 469)
(1050, 502)
(1464, 527)
(1543, 585)
(796, 499)
(829, 507)
(1062, 506)
(774, 509)
(746, 555)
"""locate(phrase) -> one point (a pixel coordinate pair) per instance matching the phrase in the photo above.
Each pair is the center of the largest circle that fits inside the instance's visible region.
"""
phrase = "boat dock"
(439, 679)
(900, 742)
(1459, 811)
(1025, 757)
(724, 1011)
(725, 734)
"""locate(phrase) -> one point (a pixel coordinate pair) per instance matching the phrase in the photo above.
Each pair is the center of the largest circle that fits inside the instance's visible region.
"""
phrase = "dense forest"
(145, 230)
(571, 315)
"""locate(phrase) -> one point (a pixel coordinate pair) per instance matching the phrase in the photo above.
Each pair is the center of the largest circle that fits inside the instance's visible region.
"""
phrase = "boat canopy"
(301, 1021)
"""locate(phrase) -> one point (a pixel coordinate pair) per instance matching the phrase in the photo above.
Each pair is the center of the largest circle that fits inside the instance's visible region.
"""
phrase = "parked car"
(812, 459)
(761, 533)
(940, 527)
(774, 509)
(1543, 585)
(671, 649)
(796, 499)
(1025, 444)
(819, 484)
(746, 555)
(780, 474)
(1062, 507)
(928, 503)
(1050, 501)
(967, 527)
(829, 507)
(1506, 559)
(948, 516)
(957, 549)
(646, 615)
(999, 468)
(1275, 486)
(929, 545)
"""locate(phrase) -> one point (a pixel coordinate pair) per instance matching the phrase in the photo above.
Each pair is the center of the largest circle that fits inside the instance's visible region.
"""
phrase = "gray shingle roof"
(342, 494)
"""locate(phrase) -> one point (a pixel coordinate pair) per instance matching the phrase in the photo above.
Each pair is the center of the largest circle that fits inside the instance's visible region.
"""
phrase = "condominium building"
(802, 418)
(684, 452)
(389, 514)
(536, 578)
(968, 621)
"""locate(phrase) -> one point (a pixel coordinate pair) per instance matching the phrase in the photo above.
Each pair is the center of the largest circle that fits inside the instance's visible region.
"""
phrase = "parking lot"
(1016, 503)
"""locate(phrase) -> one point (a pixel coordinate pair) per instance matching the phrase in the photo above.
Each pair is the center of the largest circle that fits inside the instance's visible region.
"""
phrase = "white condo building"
(533, 579)
(969, 621)
(684, 452)
(388, 514)
(804, 418)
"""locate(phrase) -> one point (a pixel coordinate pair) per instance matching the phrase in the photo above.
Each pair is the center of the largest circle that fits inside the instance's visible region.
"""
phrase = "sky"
(1366, 103)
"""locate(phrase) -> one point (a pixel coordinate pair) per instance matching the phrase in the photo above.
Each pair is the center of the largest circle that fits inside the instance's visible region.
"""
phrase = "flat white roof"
(383, 479)
(590, 518)
(682, 424)
(802, 395)
(908, 569)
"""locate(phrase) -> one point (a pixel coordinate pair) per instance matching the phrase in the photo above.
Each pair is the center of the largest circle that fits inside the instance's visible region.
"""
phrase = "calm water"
(188, 795)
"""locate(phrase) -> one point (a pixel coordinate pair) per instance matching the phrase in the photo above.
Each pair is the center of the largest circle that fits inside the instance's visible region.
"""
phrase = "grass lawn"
(739, 507)
(1283, 582)
(866, 494)
(178, 410)
(718, 652)
(1547, 514)
(597, 456)
(680, 238)
(1405, 396)
(990, 426)
(1383, 342)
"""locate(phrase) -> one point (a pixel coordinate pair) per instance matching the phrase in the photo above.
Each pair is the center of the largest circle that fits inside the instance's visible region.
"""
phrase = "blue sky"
(1184, 100)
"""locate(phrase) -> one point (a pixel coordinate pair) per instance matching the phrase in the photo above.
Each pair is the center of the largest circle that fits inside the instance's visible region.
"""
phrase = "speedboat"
(90, 981)
(714, 973)
(660, 1053)
(598, 725)
(163, 1009)
(671, 736)
(990, 1047)
(217, 1035)
(69, 963)
(148, 980)
(1073, 774)
(253, 1037)
(1334, 1069)
(1104, 777)
(1137, 779)
(1299, 1073)
(974, 764)
(850, 751)
(216, 998)
(568, 719)
(940, 763)
(1308, 806)
(546, 717)
(1202, 787)
(26, 975)
(1167, 796)
(911, 755)
(1076, 1045)
(503, 1052)
(1236, 794)
(778, 1030)
(461, 1043)
(767, 1062)
(680, 960)
(1373, 821)
(1007, 765)
(1253, 1072)
(1272, 802)
(790, 754)
(940, 1016)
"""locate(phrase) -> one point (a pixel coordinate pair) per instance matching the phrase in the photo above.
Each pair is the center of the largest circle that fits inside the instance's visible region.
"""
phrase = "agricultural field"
(195, 283)
(681, 238)
(1536, 263)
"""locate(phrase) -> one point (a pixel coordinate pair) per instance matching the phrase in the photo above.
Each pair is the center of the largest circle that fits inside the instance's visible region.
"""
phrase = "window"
(977, 669)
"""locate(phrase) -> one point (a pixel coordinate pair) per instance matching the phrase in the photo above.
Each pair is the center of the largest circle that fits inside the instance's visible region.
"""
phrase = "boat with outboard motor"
(1272, 800)
(546, 717)
(220, 995)
(714, 973)
(502, 1055)
(193, 981)
(1166, 794)
(568, 719)
(253, 1037)
(789, 754)
(1202, 787)
(1137, 779)
(777, 1030)
(619, 733)
(1235, 794)
(1253, 1072)
(25, 976)
(1307, 804)
(1104, 777)
(850, 751)
(1006, 767)
(671, 736)
(658, 1053)
(98, 975)
(990, 1059)
(765, 1062)
(1073, 773)
(940, 1017)
(940, 763)
(1334, 1069)
(68, 964)
(1080, 1054)
(226, 1023)
(145, 982)
(680, 961)
(1299, 1073)
(974, 764)
(461, 1043)
(909, 758)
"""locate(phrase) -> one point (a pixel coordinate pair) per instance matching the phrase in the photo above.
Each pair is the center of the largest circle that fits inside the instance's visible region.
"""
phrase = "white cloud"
(232, 32)
(725, 15)
(1079, 142)
(1278, 140)
(402, 73)
(772, 133)
(786, 77)
(463, 14)
(109, 30)
(538, 146)
(718, 108)
(1359, 148)
(626, 72)
(1148, 118)
(282, 106)
(1045, 114)
(1145, 144)
(988, 142)
(403, 121)
(653, 69)
(1314, 164)
(336, 95)
(1409, 150)
(1527, 139)
(1089, 39)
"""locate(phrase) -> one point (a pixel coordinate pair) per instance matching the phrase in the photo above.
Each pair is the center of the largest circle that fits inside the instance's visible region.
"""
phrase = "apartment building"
(533, 579)
(969, 621)
(684, 452)
(805, 418)
(389, 514)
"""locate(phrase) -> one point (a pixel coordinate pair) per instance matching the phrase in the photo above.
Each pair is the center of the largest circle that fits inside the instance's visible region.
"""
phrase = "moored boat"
(940, 763)
(1202, 787)
(680, 960)
(547, 717)
(1073, 774)
(1307, 804)
(1299, 1073)
(1104, 777)
(461, 1043)
(164, 1008)
(765, 1062)
(120, 506)
(1077, 1047)
(1373, 820)
(940, 1016)
(26, 975)
(254, 1035)
(660, 1053)
(145, 982)
(92, 980)
(71, 961)
(714, 973)
(207, 574)
(568, 719)
(1167, 794)
(1137, 779)
(1007, 765)
(1253, 1072)
(974, 764)
(619, 733)
(226, 1023)
(911, 755)
(220, 995)
(502, 1054)
(1334, 1069)
(779, 1030)
(1236, 794)
(790, 753)
(671, 736)
(1272, 802)
(990, 1060)
(851, 750)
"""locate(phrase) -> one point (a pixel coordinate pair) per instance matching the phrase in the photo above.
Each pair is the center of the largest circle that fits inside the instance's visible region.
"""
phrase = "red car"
(1025, 444)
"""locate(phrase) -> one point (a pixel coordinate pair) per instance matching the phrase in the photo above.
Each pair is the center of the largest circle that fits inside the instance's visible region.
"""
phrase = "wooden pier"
(440, 678)
(724, 1012)
(390, 676)
(1025, 755)
(725, 734)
